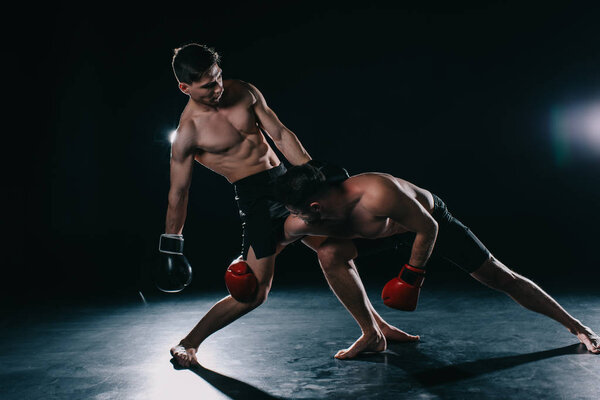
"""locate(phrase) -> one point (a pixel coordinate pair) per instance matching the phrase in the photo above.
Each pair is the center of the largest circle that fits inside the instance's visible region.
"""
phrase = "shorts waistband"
(262, 177)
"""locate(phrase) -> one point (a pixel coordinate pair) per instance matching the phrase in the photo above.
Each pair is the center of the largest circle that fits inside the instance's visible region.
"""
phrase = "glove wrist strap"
(170, 243)
(412, 275)
(416, 269)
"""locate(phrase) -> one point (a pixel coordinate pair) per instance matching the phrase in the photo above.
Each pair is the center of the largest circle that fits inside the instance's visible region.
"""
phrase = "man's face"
(208, 90)
(309, 215)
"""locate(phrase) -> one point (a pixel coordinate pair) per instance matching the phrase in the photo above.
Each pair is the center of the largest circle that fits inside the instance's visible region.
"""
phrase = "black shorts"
(455, 242)
(262, 216)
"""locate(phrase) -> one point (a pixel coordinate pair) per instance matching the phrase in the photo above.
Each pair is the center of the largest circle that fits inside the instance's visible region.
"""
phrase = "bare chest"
(227, 129)
(375, 227)
(357, 227)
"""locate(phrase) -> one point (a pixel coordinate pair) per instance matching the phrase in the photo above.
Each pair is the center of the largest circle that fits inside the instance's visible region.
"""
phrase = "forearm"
(422, 247)
(176, 212)
(291, 148)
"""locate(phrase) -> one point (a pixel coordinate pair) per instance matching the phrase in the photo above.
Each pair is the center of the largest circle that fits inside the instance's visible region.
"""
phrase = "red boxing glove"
(402, 293)
(240, 281)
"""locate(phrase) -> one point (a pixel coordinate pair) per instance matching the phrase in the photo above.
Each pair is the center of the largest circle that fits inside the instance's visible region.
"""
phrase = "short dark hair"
(299, 185)
(192, 60)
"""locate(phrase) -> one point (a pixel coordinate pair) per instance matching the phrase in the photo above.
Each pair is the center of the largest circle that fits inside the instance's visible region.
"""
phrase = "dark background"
(455, 98)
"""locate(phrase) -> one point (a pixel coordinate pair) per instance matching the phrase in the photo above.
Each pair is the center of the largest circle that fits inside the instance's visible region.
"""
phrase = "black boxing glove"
(174, 271)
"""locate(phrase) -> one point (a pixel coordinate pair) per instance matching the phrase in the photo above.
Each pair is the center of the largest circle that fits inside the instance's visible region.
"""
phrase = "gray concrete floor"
(476, 344)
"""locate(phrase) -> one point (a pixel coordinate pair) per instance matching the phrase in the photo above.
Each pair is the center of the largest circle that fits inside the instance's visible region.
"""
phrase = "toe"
(350, 353)
(340, 355)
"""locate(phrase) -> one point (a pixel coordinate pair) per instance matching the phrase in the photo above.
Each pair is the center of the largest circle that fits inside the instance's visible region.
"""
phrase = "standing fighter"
(393, 211)
(220, 128)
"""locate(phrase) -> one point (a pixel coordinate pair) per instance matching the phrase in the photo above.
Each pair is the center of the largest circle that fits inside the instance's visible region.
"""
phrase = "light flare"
(172, 136)
(576, 130)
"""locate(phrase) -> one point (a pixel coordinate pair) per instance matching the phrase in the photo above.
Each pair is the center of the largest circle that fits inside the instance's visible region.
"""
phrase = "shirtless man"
(390, 211)
(220, 128)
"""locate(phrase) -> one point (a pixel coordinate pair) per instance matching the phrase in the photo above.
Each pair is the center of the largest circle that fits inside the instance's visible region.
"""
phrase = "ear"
(315, 206)
(184, 87)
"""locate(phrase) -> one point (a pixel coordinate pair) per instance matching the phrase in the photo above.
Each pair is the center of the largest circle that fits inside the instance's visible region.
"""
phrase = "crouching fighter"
(389, 209)
(223, 128)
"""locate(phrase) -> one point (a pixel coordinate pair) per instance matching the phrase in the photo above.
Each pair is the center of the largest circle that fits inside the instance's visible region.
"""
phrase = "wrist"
(412, 275)
(171, 243)
(333, 174)
(415, 265)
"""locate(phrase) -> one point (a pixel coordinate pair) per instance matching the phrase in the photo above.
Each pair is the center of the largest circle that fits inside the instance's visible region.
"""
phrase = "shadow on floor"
(419, 366)
(231, 387)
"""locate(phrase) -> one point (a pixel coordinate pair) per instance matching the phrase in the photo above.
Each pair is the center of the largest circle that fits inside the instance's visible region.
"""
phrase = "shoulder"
(373, 184)
(186, 137)
(241, 89)
(242, 84)
(378, 190)
(188, 128)
(294, 226)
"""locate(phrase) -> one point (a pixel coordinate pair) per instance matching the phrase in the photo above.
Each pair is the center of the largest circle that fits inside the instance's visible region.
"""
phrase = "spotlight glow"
(576, 128)
(172, 136)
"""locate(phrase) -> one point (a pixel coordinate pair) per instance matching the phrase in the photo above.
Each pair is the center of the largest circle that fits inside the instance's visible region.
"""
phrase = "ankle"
(576, 327)
(373, 330)
(384, 327)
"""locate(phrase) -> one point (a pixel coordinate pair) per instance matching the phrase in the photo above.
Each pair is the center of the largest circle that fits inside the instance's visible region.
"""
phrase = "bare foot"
(374, 342)
(590, 339)
(184, 357)
(394, 334)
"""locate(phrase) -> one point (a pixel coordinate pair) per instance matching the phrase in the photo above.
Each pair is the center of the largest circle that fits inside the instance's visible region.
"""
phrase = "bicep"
(417, 219)
(292, 229)
(405, 210)
(267, 118)
(182, 165)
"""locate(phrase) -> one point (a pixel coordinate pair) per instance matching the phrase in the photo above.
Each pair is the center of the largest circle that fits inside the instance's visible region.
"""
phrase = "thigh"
(333, 250)
(493, 273)
(457, 244)
(263, 268)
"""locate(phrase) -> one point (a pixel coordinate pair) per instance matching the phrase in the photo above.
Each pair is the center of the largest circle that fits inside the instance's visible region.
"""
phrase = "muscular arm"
(389, 200)
(293, 229)
(285, 140)
(182, 163)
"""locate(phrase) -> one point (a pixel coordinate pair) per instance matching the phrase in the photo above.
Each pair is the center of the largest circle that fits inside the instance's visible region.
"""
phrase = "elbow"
(281, 134)
(277, 136)
(434, 226)
(431, 230)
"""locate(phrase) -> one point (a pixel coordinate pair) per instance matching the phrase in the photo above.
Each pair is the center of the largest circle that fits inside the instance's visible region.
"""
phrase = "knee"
(334, 255)
(507, 282)
(261, 296)
(503, 278)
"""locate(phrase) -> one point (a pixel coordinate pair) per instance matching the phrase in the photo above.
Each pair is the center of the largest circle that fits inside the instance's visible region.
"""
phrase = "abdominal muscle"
(248, 156)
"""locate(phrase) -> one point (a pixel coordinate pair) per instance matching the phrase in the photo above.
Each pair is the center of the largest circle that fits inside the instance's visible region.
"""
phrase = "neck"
(203, 106)
(340, 203)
